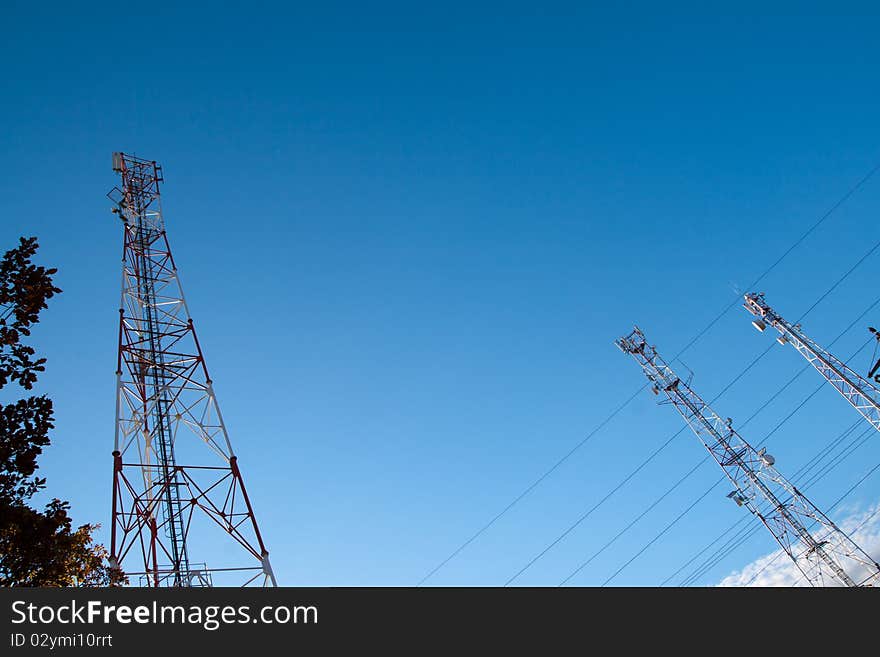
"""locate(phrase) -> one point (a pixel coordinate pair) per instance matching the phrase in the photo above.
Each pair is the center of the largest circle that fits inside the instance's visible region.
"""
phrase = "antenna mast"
(825, 556)
(857, 390)
(176, 478)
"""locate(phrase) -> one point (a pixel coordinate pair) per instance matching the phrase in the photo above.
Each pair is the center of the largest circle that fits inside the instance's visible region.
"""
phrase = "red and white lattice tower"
(177, 487)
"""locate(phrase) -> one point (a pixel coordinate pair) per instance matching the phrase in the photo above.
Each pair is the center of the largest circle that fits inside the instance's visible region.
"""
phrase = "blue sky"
(409, 235)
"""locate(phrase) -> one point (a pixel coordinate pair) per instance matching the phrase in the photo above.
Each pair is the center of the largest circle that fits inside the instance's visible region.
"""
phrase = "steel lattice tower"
(857, 390)
(177, 485)
(827, 555)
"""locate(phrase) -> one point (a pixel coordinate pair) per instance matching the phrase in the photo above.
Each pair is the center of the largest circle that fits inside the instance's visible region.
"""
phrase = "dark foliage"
(37, 548)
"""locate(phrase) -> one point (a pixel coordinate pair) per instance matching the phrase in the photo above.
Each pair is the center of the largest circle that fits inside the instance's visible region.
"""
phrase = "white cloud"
(776, 569)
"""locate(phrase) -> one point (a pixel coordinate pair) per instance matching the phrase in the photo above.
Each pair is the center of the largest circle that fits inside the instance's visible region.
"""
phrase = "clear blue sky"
(409, 234)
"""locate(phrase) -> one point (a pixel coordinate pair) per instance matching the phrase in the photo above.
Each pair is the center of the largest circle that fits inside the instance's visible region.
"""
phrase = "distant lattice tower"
(823, 553)
(177, 486)
(860, 392)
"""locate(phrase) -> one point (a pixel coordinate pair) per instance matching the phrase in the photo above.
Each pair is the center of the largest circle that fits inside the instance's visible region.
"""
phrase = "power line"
(843, 199)
(828, 213)
(653, 455)
(665, 529)
(686, 476)
(694, 504)
(839, 500)
(532, 486)
(802, 472)
(752, 529)
(741, 520)
(743, 534)
(626, 479)
(675, 485)
(801, 371)
(822, 297)
(845, 453)
(634, 521)
(713, 486)
(664, 495)
(840, 280)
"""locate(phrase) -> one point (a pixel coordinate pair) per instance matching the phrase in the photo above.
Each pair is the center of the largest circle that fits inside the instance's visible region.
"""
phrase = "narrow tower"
(177, 486)
(823, 553)
(857, 390)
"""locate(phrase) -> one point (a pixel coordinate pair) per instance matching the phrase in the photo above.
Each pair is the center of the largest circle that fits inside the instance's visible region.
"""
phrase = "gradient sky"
(409, 235)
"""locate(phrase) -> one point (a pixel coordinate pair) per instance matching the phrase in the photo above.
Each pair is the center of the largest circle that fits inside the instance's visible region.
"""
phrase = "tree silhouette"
(37, 548)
